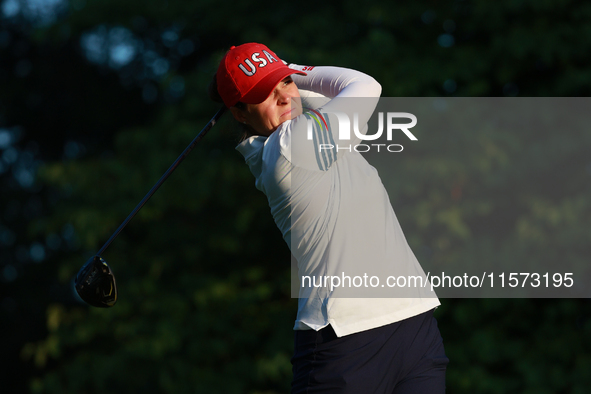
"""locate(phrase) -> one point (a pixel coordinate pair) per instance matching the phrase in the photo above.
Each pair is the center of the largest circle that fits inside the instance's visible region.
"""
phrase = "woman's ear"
(238, 114)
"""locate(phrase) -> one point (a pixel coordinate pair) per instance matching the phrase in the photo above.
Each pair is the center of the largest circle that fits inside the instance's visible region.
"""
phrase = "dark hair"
(214, 95)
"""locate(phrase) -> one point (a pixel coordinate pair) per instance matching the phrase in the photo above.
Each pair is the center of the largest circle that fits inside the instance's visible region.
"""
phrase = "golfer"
(336, 217)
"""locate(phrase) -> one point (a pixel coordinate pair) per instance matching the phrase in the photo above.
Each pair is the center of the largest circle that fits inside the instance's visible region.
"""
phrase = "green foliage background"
(204, 303)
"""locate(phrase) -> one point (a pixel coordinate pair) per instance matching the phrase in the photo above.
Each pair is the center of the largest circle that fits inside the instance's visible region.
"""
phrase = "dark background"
(97, 99)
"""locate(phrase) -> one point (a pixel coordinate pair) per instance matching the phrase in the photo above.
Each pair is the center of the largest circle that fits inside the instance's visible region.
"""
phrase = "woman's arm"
(319, 138)
(336, 81)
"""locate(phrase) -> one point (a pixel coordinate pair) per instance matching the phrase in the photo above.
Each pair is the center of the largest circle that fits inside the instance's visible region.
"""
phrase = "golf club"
(95, 282)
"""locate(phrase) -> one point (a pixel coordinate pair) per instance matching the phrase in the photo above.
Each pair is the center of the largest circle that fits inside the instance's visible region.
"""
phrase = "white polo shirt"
(334, 212)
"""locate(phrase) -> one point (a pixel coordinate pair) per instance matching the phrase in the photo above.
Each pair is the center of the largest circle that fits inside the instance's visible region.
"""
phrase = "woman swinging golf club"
(335, 215)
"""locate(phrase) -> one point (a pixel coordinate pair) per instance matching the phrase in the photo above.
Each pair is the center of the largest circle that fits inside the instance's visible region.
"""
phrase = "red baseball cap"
(249, 73)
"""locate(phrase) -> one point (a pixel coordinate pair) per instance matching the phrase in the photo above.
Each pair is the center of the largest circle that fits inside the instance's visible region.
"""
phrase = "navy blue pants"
(399, 358)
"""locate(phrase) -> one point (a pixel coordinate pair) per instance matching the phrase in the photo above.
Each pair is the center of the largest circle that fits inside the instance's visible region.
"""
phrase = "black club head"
(95, 283)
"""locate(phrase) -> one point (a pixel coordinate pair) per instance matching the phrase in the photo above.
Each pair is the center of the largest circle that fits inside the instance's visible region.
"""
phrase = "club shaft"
(174, 165)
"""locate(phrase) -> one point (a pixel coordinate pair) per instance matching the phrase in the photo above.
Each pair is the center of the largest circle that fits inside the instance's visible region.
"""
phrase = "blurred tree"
(53, 106)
